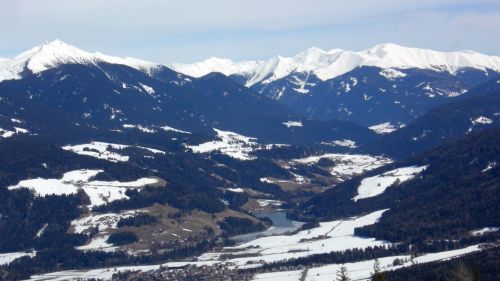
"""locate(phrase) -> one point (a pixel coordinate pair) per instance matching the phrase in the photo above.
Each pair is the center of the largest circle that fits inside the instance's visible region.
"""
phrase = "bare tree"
(342, 274)
(460, 272)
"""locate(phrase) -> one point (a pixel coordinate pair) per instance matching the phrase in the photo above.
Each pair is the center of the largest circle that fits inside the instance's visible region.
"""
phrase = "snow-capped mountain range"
(92, 90)
(385, 84)
(333, 63)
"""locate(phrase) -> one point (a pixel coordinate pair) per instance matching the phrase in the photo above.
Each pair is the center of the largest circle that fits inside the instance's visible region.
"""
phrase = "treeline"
(481, 266)
(66, 258)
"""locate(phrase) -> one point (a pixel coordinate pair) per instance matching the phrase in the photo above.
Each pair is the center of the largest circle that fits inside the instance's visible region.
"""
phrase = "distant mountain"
(97, 91)
(386, 83)
(475, 111)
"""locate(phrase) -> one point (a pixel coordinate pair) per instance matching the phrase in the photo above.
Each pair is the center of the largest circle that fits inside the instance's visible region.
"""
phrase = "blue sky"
(186, 31)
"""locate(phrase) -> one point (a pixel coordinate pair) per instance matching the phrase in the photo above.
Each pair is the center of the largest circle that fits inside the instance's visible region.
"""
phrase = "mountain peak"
(51, 54)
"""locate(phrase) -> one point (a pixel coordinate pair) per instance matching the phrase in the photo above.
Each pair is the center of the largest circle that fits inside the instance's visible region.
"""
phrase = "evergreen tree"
(378, 275)
(342, 274)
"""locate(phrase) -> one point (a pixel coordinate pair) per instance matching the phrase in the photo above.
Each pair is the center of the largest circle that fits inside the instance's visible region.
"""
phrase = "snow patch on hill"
(7, 134)
(346, 165)
(232, 144)
(290, 124)
(342, 143)
(384, 128)
(102, 150)
(99, 192)
(484, 230)
(482, 120)
(172, 129)
(376, 185)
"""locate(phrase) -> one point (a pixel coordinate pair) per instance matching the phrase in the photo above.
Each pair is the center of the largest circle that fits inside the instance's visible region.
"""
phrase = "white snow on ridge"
(99, 192)
(482, 120)
(376, 185)
(289, 124)
(139, 127)
(7, 258)
(330, 64)
(171, 129)
(347, 165)
(485, 230)
(100, 150)
(391, 74)
(384, 128)
(7, 134)
(232, 144)
(52, 54)
(343, 143)
(148, 89)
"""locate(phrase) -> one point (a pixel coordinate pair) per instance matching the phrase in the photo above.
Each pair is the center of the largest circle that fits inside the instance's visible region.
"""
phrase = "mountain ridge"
(333, 63)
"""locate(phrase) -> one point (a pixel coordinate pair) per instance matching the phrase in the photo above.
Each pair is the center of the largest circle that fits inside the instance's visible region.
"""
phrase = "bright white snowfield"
(99, 192)
(7, 258)
(384, 128)
(290, 124)
(7, 133)
(376, 185)
(232, 144)
(100, 150)
(55, 53)
(330, 64)
(362, 270)
(347, 165)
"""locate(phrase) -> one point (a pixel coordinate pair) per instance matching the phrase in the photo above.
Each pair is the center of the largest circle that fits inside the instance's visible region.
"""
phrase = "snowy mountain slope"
(333, 63)
(52, 54)
(95, 91)
(386, 83)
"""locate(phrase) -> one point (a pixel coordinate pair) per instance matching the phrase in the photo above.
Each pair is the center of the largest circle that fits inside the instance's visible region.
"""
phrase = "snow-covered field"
(342, 143)
(329, 236)
(347, 165)
(99, 192)
(101, 150)
(376, 185)
(101, 221)
(356, 270)
(233, 145)
(362, 270)
(7, 258)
